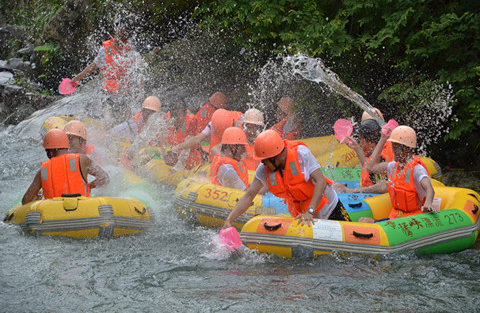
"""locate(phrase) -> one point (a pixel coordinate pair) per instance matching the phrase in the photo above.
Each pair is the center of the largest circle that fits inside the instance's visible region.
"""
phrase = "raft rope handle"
(355, 205)
(273, 227)
(474, 211)
(141, 212)
(71, 195)
(360, 235)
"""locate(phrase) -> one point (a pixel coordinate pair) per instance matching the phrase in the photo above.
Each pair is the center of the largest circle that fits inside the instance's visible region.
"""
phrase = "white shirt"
(228, 177)
(308, 164)
(208, 129)
(419, 172)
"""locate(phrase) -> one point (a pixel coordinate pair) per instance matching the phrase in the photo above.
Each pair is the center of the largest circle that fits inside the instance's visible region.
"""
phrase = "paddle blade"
(230, 238)
(66, 86)
(392, 124)
(342, 128)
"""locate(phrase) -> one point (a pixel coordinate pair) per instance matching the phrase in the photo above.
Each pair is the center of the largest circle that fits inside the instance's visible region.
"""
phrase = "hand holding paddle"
(67, 87)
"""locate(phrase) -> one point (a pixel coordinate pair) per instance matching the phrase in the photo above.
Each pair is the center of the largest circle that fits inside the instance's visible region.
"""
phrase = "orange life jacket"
(250, 160)
(240, 169)
(138, 119)
(369, 180)
(204, 115)
(177, 136)
(401, 187)
(293, 135)
(114, 71)
(292, 186)
(62, 175)
(216, 139)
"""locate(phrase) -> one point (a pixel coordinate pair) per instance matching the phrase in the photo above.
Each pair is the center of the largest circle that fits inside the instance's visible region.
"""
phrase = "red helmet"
(221, 120)
(234, 136)
(56, 139)
(268, 144)
(404, 135)
(76, 128)
(152, 103)
(218, 100)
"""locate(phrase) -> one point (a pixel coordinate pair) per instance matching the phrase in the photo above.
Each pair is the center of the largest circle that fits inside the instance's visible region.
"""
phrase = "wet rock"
(12, 39)
(6, 77)
(20, 65)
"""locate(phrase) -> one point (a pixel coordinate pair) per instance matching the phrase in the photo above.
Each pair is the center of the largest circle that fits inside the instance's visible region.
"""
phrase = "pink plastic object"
(67, 87)
(230, 238)
(342, 128)
(392, 124)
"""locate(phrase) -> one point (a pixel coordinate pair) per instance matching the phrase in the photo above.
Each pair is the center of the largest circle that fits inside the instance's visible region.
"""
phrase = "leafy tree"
(418, 42)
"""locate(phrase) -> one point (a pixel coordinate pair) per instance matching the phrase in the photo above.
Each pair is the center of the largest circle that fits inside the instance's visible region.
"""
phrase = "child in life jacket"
(370, 182)
(410, 188)
(227, 168)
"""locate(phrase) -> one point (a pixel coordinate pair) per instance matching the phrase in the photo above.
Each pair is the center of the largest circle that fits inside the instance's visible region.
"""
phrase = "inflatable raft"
(203, 203)
(453, 229)
(81, 217)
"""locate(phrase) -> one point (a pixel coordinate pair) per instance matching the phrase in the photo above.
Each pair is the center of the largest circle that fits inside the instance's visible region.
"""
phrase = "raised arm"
(92, 67)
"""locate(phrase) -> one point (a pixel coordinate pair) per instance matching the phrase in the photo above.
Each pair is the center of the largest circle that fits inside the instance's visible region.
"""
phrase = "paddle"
(342, 128)
(392, 124)
(67, 87)
(230, 238)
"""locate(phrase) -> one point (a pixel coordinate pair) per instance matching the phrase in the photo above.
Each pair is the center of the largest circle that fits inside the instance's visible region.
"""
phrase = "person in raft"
(370, 182)
(77, 138)
(131, 128)
(290, 171)
(64, 173)
(289, 125)
(410, 188)
(204, 115)
(253, 124)
(227, 168)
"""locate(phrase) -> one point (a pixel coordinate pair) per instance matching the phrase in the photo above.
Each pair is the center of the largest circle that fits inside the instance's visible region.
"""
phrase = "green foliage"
(425, 40)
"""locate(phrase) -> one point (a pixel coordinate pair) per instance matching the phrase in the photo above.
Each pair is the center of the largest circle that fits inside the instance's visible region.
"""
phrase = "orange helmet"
(234, 136)
(76, 128)
(285, 104)
(56, 139)
(268, 144)
(366, 116)
(218, 100)
(404, 135)
(221, 120)
(253, 116)
(152, 103)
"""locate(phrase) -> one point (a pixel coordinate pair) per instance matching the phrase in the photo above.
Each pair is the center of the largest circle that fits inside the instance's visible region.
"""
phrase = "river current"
(175, 267)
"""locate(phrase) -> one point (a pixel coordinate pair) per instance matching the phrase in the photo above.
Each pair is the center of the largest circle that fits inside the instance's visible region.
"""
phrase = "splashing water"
(314, 70)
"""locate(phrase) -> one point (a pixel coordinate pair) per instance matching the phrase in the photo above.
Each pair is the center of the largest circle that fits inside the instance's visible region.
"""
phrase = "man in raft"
(290, 171)
(410, 187)
(227, 168)
(77, 138)
(289, 125)
(64, 173)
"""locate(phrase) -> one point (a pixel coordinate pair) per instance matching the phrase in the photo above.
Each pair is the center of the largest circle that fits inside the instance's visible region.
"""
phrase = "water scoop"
(392, 124)
(67, 87)
(230, 238)
(342, 128)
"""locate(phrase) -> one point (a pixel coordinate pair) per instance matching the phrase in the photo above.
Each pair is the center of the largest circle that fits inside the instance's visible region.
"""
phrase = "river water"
(175, 267)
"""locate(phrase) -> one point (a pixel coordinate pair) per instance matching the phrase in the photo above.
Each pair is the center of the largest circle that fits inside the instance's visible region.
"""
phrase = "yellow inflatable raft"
(81, 217)
(203, 203)
(454, 229)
